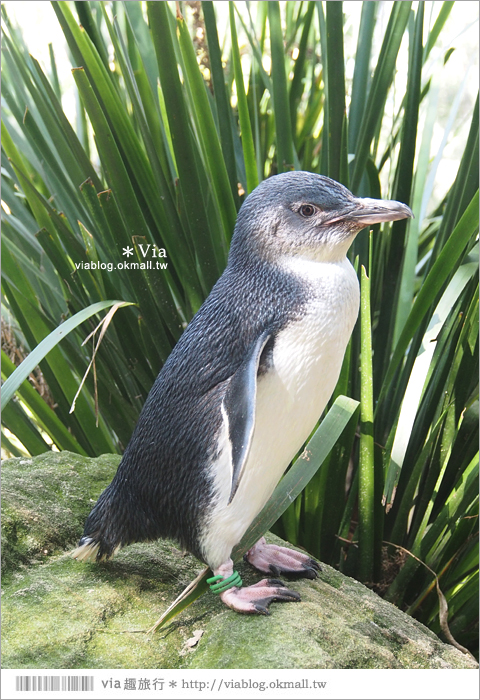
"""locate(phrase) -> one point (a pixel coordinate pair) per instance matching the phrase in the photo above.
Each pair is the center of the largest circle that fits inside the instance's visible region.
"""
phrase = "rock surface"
(60, 613)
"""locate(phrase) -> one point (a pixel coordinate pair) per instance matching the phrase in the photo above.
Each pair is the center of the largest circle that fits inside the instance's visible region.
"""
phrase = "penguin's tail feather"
(106, 529)
(89, 550)
(117, 519)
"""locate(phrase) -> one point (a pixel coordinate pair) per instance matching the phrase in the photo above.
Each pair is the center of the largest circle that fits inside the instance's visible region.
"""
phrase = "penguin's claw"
(306, 572)
(262, 610)
(256, 599)
(280, 561)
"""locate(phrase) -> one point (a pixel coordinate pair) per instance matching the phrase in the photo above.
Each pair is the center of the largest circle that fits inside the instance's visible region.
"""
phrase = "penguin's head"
(304, 214)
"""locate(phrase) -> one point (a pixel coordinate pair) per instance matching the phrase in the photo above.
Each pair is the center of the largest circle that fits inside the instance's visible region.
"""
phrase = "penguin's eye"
(307, 210)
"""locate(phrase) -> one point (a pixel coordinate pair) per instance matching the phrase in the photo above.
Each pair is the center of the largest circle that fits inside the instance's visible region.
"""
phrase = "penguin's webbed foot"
(281, 561)
(256, 599)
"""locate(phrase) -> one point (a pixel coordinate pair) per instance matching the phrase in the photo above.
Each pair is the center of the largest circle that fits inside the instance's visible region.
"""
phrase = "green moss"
(65, 614)
(45, 501)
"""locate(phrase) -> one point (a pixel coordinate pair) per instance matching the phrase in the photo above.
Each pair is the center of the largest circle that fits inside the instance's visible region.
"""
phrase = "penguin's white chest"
(291, 395)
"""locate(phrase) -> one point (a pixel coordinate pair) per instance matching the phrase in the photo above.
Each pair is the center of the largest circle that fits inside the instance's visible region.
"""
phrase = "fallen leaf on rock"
(192, 642)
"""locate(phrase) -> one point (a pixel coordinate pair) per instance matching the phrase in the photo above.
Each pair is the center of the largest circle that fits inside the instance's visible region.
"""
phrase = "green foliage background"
(176, 122)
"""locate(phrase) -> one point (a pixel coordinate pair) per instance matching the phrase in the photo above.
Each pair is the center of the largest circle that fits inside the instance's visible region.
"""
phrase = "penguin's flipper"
(239, 404)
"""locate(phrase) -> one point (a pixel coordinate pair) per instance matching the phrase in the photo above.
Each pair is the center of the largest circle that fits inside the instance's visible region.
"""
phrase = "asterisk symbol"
(173, 684)
(128, 251)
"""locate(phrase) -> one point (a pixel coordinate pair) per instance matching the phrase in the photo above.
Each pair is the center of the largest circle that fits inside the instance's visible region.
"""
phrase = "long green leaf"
(336, 89)
(207, 131)
(285, 157)
(43, 348)
(297, 86)
(415, 387)
(442, 269)
(244, 118)
(22, 427)
(186, 154)
(466, 490)
(366, 467)
(404, 174)
(44, 415)
(362, 72)
(381, 82)
(220, 95)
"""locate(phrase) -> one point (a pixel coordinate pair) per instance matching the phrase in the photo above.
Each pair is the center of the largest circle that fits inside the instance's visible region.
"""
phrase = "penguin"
(244, 387)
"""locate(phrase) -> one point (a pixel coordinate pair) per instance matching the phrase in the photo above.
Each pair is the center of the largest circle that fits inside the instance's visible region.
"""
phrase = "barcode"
(52, 683)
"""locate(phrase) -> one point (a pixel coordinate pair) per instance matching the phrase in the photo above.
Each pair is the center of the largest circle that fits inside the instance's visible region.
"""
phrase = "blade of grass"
(220, 96)
(54, 73)
(88, 23)
(45, 417)
(419, 203)
(323, 163)
(366, 467)
(283, 130)
(244, 117)
(437, 27)
(361, 73)
(25, 430)
(301, 63)
(416, 383)
(336, 90)
(208, 247)
(464, 492)
(403, 185)
(442, 269)
(207, 132)
(463, 189)
(258, 46)
(381, 81)
(43, 348)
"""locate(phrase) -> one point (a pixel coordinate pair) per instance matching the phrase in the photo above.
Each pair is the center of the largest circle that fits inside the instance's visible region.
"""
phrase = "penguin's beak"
(373, 211)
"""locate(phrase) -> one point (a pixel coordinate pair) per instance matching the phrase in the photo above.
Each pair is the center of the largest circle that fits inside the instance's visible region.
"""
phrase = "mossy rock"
(45, 500)
(60, 613)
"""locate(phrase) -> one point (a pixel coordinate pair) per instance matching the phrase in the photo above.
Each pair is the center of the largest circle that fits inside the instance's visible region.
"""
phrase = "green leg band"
(223, 584)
